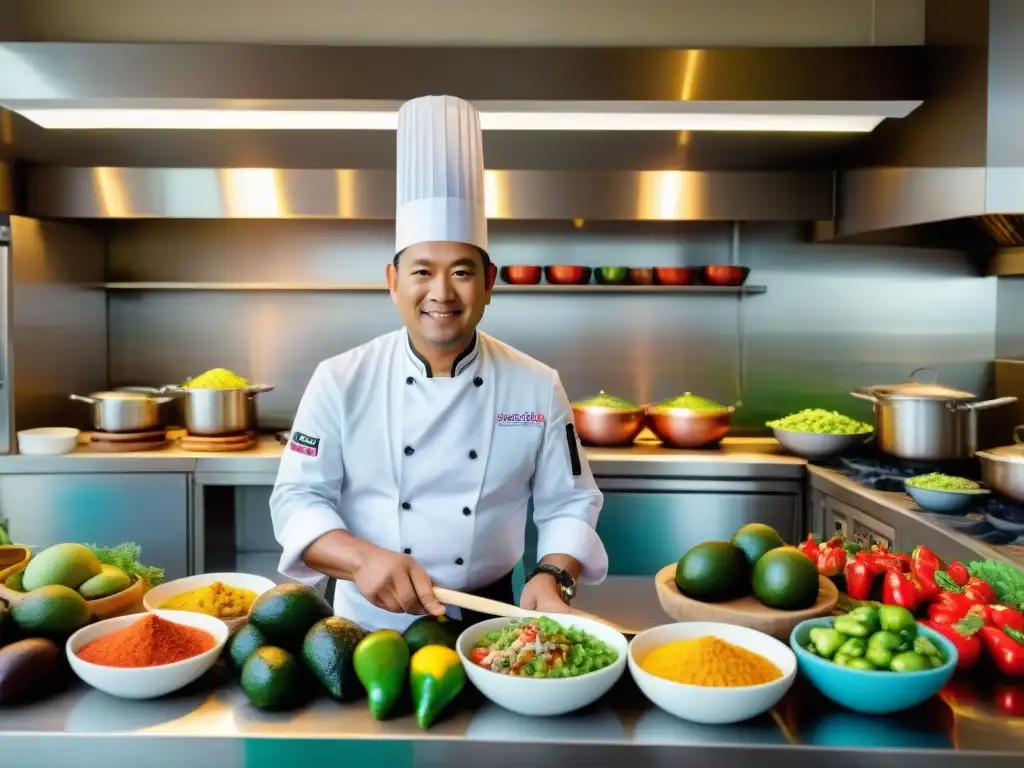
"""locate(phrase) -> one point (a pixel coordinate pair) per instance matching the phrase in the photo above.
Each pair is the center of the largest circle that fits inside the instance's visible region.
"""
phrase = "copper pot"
(607, 427)
(724, 275)
(521, 274)
(675, 275)
(641, 275)
(567, 274)
(689, 428)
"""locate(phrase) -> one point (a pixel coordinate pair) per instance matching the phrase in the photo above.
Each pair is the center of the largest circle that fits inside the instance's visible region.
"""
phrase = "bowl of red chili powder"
(145, 655)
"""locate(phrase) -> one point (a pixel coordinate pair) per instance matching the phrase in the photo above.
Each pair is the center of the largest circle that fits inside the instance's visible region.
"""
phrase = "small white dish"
(702, 704)
(543, 697)
(48, 441)
(161, 594)
(145, 682)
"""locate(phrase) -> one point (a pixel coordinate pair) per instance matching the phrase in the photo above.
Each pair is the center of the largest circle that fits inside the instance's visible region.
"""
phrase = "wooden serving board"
(745, 611)
(127, 601)
(127, 437)
(126, 446)
(241, 442)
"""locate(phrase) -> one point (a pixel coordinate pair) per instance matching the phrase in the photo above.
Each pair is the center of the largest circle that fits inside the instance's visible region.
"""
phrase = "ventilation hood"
(104, 130)
(952, 173)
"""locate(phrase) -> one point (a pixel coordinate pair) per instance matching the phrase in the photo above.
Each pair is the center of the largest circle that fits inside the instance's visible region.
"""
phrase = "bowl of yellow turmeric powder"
(711, 673)
(226, 596)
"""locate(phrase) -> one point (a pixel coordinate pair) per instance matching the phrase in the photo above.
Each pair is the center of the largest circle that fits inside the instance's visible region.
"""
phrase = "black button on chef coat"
(467, 511)
(410, 380)
(406, 505)
(472, 454)
(477, 381)
(458, 561)
(409, 450)
(407, 551)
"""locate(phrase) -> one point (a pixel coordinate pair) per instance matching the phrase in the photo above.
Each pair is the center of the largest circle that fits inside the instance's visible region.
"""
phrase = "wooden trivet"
(128, 437)
(126, 446)
(242, 442)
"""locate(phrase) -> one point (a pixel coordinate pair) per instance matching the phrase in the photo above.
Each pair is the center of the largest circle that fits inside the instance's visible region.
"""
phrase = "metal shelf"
(500, 288)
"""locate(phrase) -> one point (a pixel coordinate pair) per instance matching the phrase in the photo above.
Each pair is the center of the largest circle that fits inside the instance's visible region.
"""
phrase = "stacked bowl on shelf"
(714, 275)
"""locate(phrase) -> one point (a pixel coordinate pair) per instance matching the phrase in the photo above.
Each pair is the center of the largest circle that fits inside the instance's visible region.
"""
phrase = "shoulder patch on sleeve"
(304, 444)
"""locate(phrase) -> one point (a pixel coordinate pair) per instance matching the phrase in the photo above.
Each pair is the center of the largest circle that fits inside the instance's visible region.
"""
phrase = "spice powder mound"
(149, 642)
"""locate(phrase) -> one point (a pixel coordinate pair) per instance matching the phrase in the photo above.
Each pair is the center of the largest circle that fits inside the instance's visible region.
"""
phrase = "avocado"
(604, 400)
(431, 630)
(7, 628)
(69, 565)
(272, 678)
(286, 612)
(381, 661)
(110, 581)
(51, 611)
(243, 643)
(27, 667)
(785, 578)
(713, 571)
(328, 650)
(755, 539)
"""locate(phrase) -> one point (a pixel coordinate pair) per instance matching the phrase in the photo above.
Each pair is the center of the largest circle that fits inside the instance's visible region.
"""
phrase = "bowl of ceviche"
(542, 666)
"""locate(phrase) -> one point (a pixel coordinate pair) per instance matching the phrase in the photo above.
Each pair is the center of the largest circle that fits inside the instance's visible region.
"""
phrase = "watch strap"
(566, 583)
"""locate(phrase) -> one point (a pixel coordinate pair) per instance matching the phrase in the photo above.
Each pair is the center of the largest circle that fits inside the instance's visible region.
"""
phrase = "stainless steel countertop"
(742, 458)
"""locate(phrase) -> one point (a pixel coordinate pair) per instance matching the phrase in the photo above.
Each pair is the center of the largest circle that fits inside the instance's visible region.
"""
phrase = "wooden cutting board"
(196, 443)
(127, 446)
(127, 437)
(744, 612)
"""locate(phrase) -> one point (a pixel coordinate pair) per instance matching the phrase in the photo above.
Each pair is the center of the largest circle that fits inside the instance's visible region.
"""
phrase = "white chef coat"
(441, 468)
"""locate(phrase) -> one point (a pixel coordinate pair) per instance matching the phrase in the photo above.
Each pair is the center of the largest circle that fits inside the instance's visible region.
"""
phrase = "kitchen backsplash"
(834, 316)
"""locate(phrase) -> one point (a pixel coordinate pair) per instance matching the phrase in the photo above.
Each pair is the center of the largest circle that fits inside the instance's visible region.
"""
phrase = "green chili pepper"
(882, 647)
(851, 626)
(826, 641)
(855, 647)
(910, 662)
(842, 659)
(868, 615)
(862, 664)
(895, 618)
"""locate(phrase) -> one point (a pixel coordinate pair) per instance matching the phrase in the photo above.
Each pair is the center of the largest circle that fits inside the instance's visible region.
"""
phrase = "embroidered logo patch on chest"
(526, 419)
(304, 444)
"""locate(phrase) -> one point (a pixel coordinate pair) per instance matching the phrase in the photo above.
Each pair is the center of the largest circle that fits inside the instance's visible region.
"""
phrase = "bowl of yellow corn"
(226, 596)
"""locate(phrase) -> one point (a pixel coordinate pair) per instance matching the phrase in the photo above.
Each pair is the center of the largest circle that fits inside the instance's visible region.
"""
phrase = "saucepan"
(924, 421)
(216, 412)
(124, 411)
(1002, 469)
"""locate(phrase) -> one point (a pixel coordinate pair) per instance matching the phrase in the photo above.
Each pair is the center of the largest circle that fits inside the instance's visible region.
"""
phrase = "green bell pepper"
(882, 647)
(842, 659)
(910, 662)
(826, 641)
(853, 626)
(867, 614)
(897, 619)
(381, 662)
(862, 664)
(855, 648)
(436, 677)
(925, 647)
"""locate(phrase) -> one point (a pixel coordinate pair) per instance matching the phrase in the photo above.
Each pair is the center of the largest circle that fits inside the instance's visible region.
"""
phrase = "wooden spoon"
(497, 608)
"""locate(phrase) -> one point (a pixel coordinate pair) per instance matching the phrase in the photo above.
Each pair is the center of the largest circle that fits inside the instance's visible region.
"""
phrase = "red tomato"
(478, 655)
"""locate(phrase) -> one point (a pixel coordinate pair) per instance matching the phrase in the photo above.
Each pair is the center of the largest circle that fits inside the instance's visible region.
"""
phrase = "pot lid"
(923, 385)
(120, 395)
(1013, 453)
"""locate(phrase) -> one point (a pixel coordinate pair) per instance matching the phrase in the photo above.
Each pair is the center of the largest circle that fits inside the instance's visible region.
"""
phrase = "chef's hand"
(542, 594)
(396, 583)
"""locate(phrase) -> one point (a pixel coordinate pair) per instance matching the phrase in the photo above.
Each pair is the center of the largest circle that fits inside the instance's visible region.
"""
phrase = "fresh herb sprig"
(1007, 581)
(126, 557)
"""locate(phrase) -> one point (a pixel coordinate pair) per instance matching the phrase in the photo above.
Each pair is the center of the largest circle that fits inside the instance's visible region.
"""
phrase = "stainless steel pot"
(215, 412)
(124, 411)
(1002, 469)
(925, 421)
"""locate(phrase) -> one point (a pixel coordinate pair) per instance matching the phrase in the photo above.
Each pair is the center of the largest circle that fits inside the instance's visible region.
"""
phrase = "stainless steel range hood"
(952, 172)
(749, 134)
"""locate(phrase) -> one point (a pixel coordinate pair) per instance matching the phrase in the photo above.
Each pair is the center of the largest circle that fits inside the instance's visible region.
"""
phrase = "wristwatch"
(566, 583)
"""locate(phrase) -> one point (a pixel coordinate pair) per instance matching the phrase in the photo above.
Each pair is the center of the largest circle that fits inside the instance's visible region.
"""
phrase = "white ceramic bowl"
(161, 594)
(47, 441)
(145, 682)
(543, 697)
(712, 706)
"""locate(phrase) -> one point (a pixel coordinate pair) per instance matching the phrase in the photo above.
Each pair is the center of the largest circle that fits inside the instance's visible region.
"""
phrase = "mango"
(437, 678)
(110, 581)
(54, 610)
(381, 661)
(69, 565)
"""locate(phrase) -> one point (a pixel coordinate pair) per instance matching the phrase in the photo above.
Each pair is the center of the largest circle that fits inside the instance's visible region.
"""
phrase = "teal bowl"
(871, 693)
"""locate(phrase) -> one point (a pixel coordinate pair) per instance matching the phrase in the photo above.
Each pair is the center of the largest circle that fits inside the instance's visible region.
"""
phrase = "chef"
(413, 457)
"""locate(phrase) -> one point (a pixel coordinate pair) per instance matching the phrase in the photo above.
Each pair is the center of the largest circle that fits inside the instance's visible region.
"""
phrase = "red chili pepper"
(964, 635)
(810, 548)
(1009, 697)
(831, 561)
(925, 557)
(898, 589)
(925, 577)
(1006, 648)
(860, 577)
(836, 541)
(979, 591)
(949, 608)
(1000, 616)
(958, 573)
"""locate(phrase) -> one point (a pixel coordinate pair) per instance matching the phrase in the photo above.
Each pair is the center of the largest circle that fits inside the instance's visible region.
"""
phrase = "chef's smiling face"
(441, 289)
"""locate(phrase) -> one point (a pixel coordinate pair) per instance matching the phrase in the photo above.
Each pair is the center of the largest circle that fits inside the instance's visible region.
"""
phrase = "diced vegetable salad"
(541, 648)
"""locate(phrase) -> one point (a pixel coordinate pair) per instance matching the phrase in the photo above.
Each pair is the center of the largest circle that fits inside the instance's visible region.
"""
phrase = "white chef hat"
(440, 180)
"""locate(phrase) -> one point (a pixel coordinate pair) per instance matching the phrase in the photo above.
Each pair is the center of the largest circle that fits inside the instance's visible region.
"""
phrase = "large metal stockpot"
(921, 420)
(124, 411)
(216, 412)
(1002, 469)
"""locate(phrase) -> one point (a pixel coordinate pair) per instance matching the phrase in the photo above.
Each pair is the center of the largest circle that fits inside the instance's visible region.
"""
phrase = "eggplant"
(27, 667)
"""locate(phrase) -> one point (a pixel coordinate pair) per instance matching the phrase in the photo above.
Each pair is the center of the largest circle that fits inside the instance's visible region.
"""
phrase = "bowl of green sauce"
(607, 421)
(816, 433)
(689, 421)
(944, 494)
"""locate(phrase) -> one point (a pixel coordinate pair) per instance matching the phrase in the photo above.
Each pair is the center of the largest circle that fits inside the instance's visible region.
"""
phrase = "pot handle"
(1017, 432)
(862, 394)
(256, 389)
(80, 398)
(162, 400)
(915, 376)
(984, 405)
(175, 389)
